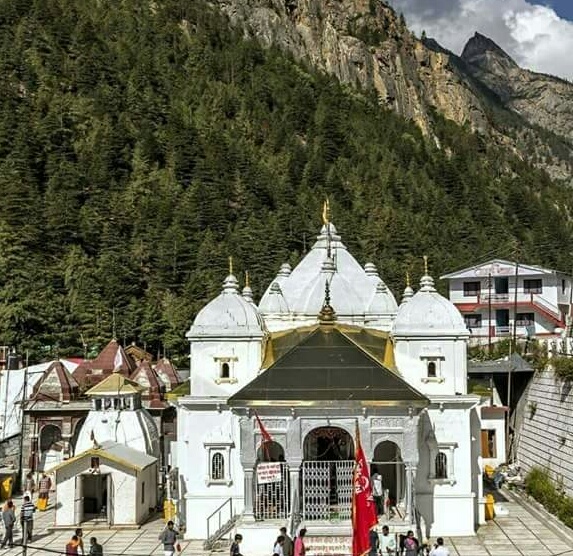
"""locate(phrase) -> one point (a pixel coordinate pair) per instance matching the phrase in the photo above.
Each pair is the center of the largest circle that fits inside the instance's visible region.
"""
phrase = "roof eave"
(339, 404)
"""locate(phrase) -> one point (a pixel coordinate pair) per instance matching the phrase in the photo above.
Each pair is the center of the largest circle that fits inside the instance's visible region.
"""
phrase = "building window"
(525, 319)
(225, 370)
(472, 321)
(472, 289)
(488, 444)
(217, 467)
(563, 286)
(533, 286)
(431, 369)
(143, 492)
(441, 463)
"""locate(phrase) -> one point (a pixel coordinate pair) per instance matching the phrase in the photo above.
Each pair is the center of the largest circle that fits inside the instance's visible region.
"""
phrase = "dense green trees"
(141, 143)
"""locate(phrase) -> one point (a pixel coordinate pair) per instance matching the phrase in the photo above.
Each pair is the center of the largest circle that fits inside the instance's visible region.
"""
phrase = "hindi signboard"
(269, 473)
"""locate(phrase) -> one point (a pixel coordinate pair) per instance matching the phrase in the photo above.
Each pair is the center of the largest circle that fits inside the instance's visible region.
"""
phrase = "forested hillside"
(142, 143)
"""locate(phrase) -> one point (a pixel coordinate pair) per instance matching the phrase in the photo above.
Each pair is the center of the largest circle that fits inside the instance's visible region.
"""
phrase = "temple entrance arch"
(327, 474)
(272, 488)
(51, 447)
(328, 444)
(388, 463)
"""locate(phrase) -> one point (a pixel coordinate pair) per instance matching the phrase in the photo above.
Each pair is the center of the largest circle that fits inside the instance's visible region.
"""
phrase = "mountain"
(143, 143)
(365, 43)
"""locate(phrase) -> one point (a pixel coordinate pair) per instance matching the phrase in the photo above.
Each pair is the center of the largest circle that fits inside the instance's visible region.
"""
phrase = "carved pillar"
(409, 490)
(413, 471)
(294, 475)
(249, 494)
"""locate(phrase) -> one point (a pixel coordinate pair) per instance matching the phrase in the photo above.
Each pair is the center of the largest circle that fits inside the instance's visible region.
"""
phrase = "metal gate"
(327, 490)
(272, 492)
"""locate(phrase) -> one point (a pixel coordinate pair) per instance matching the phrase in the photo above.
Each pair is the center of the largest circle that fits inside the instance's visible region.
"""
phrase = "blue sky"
(563, 8)
(537, 34)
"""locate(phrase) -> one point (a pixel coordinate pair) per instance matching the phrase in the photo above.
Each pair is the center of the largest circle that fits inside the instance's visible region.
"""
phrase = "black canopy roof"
(328, 368)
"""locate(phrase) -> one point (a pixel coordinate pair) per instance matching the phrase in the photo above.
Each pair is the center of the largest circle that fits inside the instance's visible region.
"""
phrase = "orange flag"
(363, 507)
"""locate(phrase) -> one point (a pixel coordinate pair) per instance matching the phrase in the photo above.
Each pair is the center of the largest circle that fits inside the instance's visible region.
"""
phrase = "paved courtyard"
(525, 532)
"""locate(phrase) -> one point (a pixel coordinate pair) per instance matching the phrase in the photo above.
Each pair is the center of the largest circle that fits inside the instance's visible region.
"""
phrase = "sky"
(537, 34)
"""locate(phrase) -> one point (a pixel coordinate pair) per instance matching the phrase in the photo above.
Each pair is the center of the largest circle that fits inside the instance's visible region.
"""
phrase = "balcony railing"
(502, 330)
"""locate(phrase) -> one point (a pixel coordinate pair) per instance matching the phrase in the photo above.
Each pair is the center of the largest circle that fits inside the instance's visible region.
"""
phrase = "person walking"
(95, 548)
(72, 546)
(299, 548)
(235, 549)
(9, 519)
(29, 486)
(278, 547)
(169, 538)
(288, 546)
(80, 535)
(374, 542)
(44, 488)
(378, 492)
(411, 545)
(387, 542)
(439, 548)
(27, 519)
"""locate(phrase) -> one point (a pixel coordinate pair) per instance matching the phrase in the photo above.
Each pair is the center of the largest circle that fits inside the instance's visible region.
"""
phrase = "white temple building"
(113, 478)
(327, 349)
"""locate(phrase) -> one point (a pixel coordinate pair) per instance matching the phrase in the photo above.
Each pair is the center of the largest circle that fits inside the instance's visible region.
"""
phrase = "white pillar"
(409, 490)
(249, 494)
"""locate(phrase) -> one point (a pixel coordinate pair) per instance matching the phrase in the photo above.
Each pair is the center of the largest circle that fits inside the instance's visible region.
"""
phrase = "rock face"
(541, 99)
(364, 42)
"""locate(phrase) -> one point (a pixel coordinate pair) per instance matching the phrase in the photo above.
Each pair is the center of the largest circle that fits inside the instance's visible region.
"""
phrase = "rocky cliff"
(365, 43)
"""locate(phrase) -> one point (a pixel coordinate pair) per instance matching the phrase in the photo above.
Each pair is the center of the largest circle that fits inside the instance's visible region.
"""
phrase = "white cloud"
(535, 36)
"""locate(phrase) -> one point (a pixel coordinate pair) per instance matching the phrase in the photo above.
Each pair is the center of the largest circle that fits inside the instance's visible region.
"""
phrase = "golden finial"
(407, 279)
(326, 212)
(230, 265)
(426, 265)
(247, 283)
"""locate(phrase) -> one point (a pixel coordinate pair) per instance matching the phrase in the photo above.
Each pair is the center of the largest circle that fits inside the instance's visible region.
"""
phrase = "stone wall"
(545, 433)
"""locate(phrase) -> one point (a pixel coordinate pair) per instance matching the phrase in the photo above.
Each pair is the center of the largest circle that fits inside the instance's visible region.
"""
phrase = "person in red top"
(72, 546)
(299, 548)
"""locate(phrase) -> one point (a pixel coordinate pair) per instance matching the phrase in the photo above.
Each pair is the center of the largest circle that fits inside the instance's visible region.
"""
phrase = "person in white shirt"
(439, 548)
(278, 548)
(378, 492)
(387, 542)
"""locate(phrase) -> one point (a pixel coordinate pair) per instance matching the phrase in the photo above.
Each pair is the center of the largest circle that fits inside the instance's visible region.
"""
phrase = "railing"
(495, 297)
(502, 330)
(217, 525)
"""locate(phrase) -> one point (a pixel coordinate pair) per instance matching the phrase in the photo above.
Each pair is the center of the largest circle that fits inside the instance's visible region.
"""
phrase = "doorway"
(95, 489)
(501, 285)
(389, 465)
(502, 320)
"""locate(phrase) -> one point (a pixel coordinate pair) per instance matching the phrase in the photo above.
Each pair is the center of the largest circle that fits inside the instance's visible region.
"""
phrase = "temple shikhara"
(327, 348)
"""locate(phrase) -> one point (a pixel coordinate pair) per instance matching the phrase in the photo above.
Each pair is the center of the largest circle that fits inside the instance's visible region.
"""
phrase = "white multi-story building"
(326, 351)
(485, 294)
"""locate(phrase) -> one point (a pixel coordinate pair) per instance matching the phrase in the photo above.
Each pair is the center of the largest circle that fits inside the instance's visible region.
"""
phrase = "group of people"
(44, 488)
(286, 546)
(407, 545)
(26, 521)
(75, 546)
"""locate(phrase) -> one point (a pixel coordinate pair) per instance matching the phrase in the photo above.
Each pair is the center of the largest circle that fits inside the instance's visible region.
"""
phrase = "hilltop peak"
(481, 48)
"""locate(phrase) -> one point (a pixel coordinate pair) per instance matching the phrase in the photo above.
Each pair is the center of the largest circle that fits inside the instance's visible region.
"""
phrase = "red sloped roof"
(145, 376)
(110, 358)
(167, 373)
(56, 384)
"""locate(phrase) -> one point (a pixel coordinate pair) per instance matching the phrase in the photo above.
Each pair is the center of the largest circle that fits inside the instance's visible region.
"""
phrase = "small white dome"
(383, 301)
(229, 314)
(427, 313)
(274, 303)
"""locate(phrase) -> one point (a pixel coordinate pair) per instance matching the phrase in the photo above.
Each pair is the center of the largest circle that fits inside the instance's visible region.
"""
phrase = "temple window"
(431, 369)
(441, 463)
(225, 370)
(217, 467)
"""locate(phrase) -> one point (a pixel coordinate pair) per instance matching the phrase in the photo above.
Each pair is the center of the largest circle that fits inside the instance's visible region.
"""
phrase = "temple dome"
(352, 287)
(427, 313)
(275, 302)
(229, 314)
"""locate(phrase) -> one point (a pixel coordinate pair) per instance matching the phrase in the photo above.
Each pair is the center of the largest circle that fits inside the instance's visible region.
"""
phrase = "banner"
(364, 516)
(269, 473)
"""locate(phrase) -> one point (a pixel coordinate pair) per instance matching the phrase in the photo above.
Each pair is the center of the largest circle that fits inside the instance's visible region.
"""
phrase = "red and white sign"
(269, 473)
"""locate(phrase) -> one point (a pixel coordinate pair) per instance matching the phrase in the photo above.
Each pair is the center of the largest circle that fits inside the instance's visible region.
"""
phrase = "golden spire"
(407, 278)
(426, 265)
(247, 283)
(326, 212)
(230, 265)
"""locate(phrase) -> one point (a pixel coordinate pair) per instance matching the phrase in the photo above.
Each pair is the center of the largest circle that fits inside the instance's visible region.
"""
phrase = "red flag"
(267, 438)
(264, 432)
(363, 507)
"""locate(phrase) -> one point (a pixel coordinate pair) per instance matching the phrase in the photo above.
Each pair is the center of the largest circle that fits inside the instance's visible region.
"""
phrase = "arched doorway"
(272, 487)
(328, 444)
(387, 462)
(51, 447)
(327, 474)
(74, 439)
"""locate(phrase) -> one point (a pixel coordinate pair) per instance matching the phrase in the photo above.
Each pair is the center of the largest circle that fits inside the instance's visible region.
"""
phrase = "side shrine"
(328, 348)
